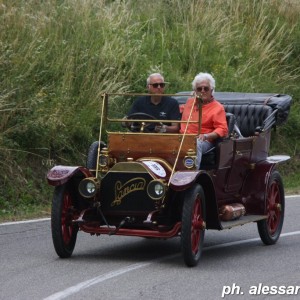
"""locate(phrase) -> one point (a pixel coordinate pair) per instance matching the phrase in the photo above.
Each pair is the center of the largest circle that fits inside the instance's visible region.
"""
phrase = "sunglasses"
(156, 85)
(202, 88)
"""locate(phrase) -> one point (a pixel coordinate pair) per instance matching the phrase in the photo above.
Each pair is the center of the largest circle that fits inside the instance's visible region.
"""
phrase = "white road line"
(24, 222)
(247, 241)
(291, 196)
(86, 284)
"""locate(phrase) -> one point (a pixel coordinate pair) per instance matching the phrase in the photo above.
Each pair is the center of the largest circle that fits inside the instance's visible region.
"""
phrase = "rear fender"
(255, 187)
(59, 175)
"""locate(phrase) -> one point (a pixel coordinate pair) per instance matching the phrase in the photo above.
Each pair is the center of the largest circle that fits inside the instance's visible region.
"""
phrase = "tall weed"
(58, 57)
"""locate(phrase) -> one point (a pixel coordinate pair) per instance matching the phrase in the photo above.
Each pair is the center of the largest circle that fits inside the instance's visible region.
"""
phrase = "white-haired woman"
(213, 124)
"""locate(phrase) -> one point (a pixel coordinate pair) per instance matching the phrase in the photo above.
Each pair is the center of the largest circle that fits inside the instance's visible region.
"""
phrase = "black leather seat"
(250, 118)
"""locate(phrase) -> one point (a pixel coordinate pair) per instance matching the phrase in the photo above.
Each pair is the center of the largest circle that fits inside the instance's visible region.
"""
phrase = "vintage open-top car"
(146, 184)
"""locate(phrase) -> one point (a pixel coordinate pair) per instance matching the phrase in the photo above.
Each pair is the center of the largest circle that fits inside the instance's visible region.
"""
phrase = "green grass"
(58, 57)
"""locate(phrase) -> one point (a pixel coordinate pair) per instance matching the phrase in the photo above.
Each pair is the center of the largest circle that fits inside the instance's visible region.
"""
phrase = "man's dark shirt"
(167, 109)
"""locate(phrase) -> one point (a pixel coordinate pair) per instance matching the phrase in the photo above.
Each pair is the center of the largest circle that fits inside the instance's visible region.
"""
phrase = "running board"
(242, 220)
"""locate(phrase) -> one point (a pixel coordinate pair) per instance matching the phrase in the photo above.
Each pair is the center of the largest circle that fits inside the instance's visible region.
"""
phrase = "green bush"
(58, 57)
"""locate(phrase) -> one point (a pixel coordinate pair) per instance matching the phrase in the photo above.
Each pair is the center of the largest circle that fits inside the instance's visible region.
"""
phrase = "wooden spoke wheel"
(270, 228)
(193, 225)
(64, 232)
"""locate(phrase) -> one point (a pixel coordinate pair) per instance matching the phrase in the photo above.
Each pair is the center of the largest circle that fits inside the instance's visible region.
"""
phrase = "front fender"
(59, 175)
(181, 180)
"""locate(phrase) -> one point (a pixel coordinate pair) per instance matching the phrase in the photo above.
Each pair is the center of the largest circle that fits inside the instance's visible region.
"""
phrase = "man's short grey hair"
(204, 76)
(154, 75)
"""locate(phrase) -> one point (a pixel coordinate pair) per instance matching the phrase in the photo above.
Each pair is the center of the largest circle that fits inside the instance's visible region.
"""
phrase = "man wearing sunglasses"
(213, 120)
(158, 106)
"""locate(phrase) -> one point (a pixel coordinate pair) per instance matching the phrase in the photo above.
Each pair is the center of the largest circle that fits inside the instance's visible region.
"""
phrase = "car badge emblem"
(122, 190)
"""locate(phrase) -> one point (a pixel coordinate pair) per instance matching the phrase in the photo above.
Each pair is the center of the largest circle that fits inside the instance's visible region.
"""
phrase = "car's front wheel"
(64, 232)
(193, 225)
(270, 228)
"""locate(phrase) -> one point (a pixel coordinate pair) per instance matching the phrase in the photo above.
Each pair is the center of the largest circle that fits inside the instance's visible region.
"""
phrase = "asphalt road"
(235, 264)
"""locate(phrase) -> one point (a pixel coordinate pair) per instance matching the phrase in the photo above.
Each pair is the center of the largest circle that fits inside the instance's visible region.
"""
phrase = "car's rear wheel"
(64, 232)
(193, 225)
(270, 228)
(91, 160)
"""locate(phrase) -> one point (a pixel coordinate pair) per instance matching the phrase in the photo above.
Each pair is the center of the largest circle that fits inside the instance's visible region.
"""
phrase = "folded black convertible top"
(279, 102)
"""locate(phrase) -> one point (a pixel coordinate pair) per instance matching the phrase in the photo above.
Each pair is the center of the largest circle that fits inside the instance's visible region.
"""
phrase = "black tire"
(193, 228)
(91, 160)
(270, 228)
(64, 233)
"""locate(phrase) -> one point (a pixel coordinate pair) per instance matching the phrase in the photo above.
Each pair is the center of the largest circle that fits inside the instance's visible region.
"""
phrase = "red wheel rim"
(197, 225)
(274, 207)
(66, 218)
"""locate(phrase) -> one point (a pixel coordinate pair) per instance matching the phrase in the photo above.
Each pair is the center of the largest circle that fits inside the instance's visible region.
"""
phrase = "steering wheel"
(140, 126)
